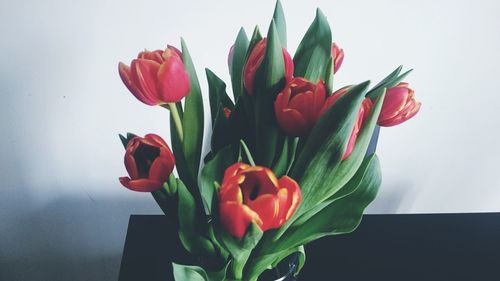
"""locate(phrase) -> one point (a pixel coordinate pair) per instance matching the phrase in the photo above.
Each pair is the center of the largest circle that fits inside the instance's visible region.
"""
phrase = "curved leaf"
(238, 62)
(343, 214)
(192, 120)
(279, 19)
(314, 51)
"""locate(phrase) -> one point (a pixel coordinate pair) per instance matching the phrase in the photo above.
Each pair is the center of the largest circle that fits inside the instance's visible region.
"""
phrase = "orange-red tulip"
(364, 111)
(255, 60)
(298, 105)
(399, 105)
(149, 162)
(156, 77)
(338, 57)
(254, 194)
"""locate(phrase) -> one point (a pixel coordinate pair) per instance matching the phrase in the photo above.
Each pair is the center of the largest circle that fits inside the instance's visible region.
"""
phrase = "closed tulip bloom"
(254, 194)
(364, 111)
(149, 162)
(298, 105)
(156, 77)
(254, 61)
(338, 57)
(399, 105)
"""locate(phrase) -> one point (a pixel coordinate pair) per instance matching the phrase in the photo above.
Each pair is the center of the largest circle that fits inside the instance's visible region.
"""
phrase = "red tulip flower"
(363, 113)
(254, 61)
(156, 77)
(399, 105)
(149, 162)
(254, 194)
(338, 57)
(298, 105)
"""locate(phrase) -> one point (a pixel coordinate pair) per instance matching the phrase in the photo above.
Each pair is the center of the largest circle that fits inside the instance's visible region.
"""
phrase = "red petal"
(156, 140)
(143, 75)
(235, 218)
(292, 122)
(173, 80)
(160, 169)
(294, 194)
(131, 166)
(394, 102)
(141, 185)
(267, 207)
(124, 71)
(233, 170)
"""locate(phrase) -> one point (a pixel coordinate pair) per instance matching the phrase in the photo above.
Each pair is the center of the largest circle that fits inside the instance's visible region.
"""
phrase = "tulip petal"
(394, 102)
(294, 195)
(173, 80)
(155, 140)
(124, 72)
(233, 170)
(267, 207)
(235, 218)
(292, 122)
(160, 170)
(131, 166)
(144, 74)
(141, 185)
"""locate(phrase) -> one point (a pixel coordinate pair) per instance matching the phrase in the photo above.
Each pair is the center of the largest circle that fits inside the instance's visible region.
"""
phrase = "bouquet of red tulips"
(291, 159)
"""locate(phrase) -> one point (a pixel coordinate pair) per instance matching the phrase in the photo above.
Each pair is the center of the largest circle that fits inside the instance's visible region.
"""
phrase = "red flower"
(156, 77)
(338, 57)
(399, 105)
(298, 105)
(254, 194)
(363, 113)
(254, 61)
(149, 162)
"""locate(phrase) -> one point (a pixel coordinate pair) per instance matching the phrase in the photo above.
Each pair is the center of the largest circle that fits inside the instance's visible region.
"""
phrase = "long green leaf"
(189, 272)
(238, 62)
(269, 79)
(213, 171)
(314, 51)
(342, 215)
(279, 19)
(217, 94)
(193, 117)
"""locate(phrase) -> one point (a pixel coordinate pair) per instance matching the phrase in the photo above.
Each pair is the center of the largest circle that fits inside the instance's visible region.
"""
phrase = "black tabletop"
(384, 247)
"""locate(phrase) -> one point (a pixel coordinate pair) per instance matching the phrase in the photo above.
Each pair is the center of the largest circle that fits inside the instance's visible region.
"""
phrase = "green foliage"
(269, 80)
(314, 51)
(238, 62)
(192, 119)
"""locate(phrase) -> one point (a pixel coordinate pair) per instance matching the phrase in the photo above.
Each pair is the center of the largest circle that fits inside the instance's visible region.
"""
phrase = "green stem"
(247, 152)
(177, 119)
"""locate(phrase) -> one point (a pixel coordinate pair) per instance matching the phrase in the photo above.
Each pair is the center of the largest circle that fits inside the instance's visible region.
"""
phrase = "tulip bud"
(298, 105)
(254, 194)
(399, 105)
(156, 77)
(149, 162)
(338, 57)
(254, 61)
(363, 113)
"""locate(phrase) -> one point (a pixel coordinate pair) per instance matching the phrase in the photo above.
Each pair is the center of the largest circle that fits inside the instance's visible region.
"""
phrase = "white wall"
(63, 212)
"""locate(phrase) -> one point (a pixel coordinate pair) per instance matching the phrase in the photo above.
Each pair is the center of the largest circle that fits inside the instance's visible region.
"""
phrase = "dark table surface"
(384, 247)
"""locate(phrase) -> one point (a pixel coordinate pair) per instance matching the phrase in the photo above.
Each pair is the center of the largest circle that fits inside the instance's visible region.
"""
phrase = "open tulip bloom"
(291, 159)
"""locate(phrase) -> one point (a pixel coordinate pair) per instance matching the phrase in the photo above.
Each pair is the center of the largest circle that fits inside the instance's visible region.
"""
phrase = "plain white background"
(64, 215)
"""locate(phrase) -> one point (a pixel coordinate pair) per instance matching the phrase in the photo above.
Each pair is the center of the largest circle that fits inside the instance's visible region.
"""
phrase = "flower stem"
(177, 119)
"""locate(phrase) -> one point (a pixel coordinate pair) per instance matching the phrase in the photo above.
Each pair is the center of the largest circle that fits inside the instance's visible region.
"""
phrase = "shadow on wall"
(67, 239)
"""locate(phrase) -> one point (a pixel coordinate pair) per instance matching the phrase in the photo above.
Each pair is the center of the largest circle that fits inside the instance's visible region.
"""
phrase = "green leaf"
(325, 146)
(258, 264)
(187, 217)
(238, 63)
(279, 19)
(213, 171)
(192, 120)
(256, 37)
(269, 80)
(329, 76)
(217, 94)
(180, 160)
(189, 272)
(314, 51)
(388, 82)
(286, 157)
(240, 250)
(344, 213)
